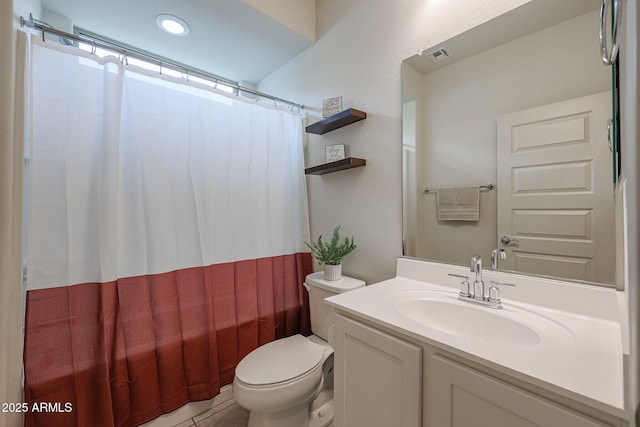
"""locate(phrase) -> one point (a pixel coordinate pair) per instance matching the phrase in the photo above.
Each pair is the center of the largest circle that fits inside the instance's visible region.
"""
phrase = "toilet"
(289, 382)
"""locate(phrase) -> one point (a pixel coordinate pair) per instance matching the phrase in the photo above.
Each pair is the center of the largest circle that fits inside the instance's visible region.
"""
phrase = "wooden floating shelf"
(336, 121)
(348, 163)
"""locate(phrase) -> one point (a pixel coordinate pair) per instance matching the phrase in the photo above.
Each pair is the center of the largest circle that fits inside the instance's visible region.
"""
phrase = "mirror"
(518, 105)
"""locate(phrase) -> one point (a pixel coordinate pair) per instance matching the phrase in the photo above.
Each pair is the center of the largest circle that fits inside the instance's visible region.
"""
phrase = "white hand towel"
(458, 203)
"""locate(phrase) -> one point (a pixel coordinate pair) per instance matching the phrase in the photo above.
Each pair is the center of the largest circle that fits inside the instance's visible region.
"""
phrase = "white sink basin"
(510, 326)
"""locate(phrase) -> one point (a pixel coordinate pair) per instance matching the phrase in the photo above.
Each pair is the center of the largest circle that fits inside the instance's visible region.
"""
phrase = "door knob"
(506, 240)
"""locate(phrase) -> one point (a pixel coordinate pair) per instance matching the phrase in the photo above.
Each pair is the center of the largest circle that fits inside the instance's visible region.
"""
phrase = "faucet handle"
(464, 285)
(475, 265)
(494, 291)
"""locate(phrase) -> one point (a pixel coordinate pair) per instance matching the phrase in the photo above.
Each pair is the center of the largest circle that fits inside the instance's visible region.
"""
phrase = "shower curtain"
(165, 238)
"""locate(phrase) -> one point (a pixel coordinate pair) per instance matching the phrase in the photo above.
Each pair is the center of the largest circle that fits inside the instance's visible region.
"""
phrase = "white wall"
(360, 46)
(297, 15)
(11, 156)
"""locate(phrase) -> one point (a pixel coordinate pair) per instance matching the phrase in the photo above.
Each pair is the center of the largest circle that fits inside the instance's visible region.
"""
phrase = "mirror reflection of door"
(555, 204)
(541, 53)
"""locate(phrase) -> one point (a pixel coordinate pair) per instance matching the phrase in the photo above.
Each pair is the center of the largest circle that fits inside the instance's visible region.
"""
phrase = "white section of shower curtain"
(134, 173)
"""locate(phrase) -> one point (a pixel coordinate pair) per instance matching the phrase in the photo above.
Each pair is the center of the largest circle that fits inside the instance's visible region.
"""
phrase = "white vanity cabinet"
(464, 397)
(383, 379)
(378, 378)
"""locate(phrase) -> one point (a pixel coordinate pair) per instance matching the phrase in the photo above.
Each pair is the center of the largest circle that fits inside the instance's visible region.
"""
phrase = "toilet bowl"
(289, 382)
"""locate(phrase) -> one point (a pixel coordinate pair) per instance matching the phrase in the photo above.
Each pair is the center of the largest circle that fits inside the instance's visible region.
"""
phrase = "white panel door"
(555, 192)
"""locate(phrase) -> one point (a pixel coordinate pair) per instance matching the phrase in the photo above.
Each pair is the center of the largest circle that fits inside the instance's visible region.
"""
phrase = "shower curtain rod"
(128, 53)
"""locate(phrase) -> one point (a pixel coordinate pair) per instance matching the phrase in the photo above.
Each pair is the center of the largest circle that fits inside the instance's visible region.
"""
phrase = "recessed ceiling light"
(172, 24)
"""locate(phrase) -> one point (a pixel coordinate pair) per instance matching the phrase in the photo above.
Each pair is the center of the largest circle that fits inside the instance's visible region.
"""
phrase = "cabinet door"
(378, 378)
(463, 397)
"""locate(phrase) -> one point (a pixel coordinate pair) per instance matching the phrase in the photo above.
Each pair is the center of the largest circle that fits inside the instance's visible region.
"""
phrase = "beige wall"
(360, 46)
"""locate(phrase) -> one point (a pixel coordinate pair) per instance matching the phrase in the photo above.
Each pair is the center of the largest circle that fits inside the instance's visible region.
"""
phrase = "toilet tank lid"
(279, 361)
(338, 286)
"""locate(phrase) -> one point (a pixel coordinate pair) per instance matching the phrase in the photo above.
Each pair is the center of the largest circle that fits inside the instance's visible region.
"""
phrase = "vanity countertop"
(584, 364)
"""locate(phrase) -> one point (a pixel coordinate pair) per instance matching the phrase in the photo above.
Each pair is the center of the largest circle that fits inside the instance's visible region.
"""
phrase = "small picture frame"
(334, 152)
(331, 106)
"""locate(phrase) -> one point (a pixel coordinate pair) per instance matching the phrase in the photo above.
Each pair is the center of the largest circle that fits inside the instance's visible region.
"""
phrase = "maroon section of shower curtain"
(124, 352)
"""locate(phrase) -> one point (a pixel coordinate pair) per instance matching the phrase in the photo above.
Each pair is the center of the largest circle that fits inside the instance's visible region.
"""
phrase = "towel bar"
(487, 187)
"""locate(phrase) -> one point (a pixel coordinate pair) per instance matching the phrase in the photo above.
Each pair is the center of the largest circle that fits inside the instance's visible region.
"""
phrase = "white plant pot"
(332, 272)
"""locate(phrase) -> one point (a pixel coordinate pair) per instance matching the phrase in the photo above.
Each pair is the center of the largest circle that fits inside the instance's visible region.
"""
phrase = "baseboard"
(195, 409)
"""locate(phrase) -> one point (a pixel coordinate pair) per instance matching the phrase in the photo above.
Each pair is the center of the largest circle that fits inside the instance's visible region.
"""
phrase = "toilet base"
(294, 417)
(323, 416)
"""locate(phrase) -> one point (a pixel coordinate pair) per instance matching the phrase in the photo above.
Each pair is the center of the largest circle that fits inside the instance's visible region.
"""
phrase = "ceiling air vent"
(437, 55)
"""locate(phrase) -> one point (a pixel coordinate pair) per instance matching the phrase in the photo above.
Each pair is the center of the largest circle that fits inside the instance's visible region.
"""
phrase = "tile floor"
(230, 416)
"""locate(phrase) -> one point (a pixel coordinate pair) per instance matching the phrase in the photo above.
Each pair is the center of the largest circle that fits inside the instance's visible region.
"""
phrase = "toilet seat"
(279, 362)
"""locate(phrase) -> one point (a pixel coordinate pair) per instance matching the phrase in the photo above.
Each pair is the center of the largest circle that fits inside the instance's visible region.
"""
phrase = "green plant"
(333, 252)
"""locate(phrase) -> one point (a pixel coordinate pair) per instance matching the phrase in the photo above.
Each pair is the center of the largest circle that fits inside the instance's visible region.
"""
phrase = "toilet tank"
(322, 314)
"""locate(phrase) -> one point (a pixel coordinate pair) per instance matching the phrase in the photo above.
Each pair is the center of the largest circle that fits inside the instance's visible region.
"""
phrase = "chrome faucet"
(478, 284)
(494, 257)
(475, 293)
